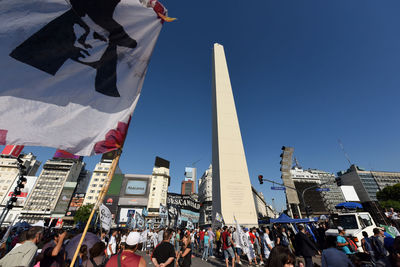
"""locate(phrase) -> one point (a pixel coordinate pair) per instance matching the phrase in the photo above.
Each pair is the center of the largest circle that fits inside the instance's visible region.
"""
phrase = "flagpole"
(99, 201)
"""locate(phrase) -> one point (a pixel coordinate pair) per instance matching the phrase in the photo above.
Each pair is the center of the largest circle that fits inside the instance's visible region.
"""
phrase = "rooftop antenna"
(344, 152)
(194, 163)
(297, 163)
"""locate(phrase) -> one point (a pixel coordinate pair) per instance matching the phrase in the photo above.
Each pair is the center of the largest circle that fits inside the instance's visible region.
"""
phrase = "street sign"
(278, 188)
(322, 189)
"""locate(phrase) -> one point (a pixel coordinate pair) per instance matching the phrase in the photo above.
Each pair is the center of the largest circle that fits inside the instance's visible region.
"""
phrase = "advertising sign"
(12, 150)
(25, 192)
(64, 155)
(136, 187)
(135, 190)
(124, 214)
(182, 208)
(75, 204)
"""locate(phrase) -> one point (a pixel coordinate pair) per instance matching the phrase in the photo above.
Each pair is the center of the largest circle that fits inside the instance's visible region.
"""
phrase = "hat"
(340, 228)
(133, 238)
(246, 229)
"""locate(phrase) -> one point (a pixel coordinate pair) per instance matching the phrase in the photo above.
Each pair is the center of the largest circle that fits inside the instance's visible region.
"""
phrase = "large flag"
(241, 237)
(72, 70)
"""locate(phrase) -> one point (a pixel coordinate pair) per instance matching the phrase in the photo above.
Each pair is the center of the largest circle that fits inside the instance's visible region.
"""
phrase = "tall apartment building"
(9, 171)
(205, 197)
(160, 181)
(97, 181)
(189, 184)
(368, 183)
(58, 174)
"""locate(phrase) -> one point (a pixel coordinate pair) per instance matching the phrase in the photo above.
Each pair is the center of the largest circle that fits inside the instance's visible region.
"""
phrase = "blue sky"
(303, 73)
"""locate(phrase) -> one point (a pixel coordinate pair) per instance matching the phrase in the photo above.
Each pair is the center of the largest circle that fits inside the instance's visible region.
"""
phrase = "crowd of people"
(279, 245)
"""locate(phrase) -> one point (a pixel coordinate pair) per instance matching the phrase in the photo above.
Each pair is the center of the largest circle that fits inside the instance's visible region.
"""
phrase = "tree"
(389, 197)
(83, 213)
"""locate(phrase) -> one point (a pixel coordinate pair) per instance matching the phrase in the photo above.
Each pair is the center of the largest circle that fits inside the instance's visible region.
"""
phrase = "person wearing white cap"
(128, 256)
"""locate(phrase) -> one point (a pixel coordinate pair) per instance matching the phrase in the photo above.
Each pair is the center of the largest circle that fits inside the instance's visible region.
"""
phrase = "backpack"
(352, 246)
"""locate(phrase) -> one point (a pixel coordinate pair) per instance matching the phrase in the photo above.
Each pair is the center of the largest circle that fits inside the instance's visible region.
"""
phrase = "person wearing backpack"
(227, 247)
(342, 242)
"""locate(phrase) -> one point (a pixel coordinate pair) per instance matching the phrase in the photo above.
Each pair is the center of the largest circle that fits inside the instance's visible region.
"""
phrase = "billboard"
(25, 192)
(136, 187)
(126, 213)
(111, 202)
(75, 204)
(135, 190)
(61, 154)
(109, 155)
(181, 209)
(349, 193)
(12, 150)
(160, 162)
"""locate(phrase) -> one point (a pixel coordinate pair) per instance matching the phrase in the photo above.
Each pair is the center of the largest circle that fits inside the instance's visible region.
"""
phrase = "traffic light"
(309, 210)
(339, 181)
(260, 179)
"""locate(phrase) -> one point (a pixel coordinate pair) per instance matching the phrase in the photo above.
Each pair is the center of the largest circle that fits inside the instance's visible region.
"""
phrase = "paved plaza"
(197, 262)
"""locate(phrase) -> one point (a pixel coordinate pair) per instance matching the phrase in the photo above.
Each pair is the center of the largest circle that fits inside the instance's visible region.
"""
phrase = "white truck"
(354, 223)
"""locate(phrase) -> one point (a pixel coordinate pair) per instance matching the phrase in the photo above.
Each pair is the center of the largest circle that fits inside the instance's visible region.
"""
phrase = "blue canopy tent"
(349, 205)
(283, 218)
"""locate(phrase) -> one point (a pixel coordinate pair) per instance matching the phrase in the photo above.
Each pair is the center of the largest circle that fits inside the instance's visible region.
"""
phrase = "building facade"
(205, 197)
(57, 174)
(332, 197)
(160, 182)
(9, 171)
(97, 181)
(368, 183)
(187, 187)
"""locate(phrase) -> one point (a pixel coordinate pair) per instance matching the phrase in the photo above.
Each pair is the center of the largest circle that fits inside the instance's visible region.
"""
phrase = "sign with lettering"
(105, 217)
(136, 187)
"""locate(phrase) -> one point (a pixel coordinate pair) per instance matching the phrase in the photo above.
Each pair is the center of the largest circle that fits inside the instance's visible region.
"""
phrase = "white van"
(354, 223)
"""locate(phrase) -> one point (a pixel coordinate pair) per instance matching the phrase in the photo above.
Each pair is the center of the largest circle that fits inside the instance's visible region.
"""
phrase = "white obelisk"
(231, 188)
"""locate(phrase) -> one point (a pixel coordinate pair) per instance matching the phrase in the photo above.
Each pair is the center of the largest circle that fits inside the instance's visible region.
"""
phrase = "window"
(365, 220)
(91, 191)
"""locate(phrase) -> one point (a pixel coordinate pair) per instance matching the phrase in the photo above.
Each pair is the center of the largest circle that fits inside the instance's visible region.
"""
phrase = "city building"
(328, 181)
(324, 194)
(188, 187)
(160, 182)
(205, 197)
(232, 194)
(189, 183)
(368, 183)
(98, 180)
(9, 175)
(263, 209)
(61, 172)
(9, 171)
(67, 194)
(78, 195)
(292, 199)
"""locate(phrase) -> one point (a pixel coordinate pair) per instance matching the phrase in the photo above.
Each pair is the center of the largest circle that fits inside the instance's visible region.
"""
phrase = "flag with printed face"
(72, 70)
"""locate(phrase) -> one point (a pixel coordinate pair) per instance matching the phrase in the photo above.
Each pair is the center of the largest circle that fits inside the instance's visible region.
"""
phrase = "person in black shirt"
(164, 253)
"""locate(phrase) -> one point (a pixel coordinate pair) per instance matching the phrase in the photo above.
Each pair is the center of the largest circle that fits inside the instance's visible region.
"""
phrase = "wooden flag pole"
(99, 201)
